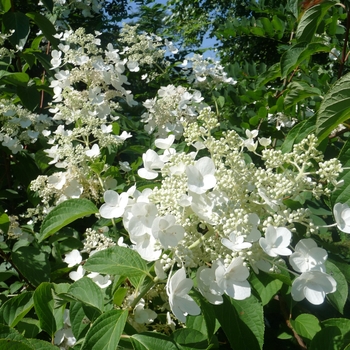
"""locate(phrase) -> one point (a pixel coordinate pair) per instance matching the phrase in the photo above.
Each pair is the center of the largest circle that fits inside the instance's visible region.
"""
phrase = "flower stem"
(147, 288)
(202, 239)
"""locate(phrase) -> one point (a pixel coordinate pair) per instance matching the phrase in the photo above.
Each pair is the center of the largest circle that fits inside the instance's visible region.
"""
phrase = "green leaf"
(117, 261)
(106, 331)
(28, 327)
(9, 333)
(33, 264)
(77, 317)
(29, 95)
(343, 324)
(311, 19)
(38, 344)
(339, 297)
(18, 22)
(14, 345)
(266, 286)
(330, 338)
(152, 341)
(87, 292)
(14, 309)
(18, 79)
(48, 4)
(289, 59)
(306, 325)
(279, 26)
(45, 25)
(299, 91)
(342, 193)
(4, 223)
(5, 5)
(335, 108)
(65, 213)
(245, 317)
(298, 133)
(51, 319)
(190, 339)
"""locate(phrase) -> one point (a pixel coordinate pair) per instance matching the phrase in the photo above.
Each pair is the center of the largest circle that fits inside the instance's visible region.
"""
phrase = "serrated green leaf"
(311, 19)
(33, 264)
(106, 331)
(14, 309)
(38, 344)
(306, 325)
(28, 327)
(65, 213)
(299, 91)
(335, 108)
(80, 325)
(339, 297)
(152, 341)
(14, 345)
(18, 22)
(289, 59)
(9, 333)
(117, 261)
(87, 292)
(51, 319)
(246, 318)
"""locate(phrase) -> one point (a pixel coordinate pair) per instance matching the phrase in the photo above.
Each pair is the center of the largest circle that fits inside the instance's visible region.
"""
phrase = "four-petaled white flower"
(181, 303)
(165, 229)
(313, 285)
(276, 241)
(114, 205)
(73, 258)
(308, 256)
(201, 175)
(233, 279)
(207, 284)
(235, 243)
(342, 217)
(152, 164)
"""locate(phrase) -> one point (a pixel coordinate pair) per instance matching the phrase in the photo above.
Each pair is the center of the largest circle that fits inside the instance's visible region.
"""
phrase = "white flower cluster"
(222, 215)
(19, 126)
(83, 116)
(170, 109)
(206, 72)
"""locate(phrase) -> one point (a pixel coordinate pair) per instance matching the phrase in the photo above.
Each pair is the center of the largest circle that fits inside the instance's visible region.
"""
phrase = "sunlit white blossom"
(342, 217)
(276, 241)
(181, 303)
(313, 285)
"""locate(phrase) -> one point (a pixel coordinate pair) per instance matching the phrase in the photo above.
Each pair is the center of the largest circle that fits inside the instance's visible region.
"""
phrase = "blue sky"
(208, 42)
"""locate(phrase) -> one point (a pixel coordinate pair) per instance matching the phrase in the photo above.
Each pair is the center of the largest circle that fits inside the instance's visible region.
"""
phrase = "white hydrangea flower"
(342, 217)
(207, 284)
(313, 285)
(114, 205)
(233, 279)
(165, 229)
(308, 256)
(152, 164)
(181, 303)
(73, 258)
(276, 241)
(201, 175)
